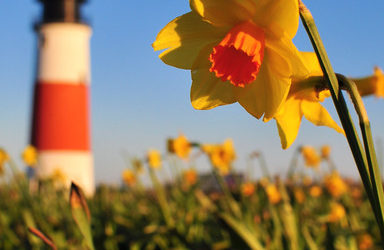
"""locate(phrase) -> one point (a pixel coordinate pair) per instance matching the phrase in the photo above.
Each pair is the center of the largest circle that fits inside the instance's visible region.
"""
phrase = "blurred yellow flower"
(247, 189)
(307, 180)
(304, 101)
(299, 195)
(137, 165)
(372, 85)
(356, 193)
(315, 191)
(311, 157)
(335, 184)
(264, 182)
(325, 151)
(190, 176)
(154, 158)
(337, 212)
(4, 157)
(237, 51)
(180, 146)
(58, 176)
(365, 241)
(273, 194)
(129, 177)
(29, 156)
(221, 155)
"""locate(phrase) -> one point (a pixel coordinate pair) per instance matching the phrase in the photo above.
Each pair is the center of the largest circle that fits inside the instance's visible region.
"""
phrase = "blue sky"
(137, 101)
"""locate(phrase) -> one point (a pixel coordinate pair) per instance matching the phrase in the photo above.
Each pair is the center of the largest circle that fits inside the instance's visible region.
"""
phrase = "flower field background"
(247, 54)
(223, 209)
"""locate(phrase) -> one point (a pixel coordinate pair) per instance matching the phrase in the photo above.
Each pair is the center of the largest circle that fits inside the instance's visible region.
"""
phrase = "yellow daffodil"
(247, 189)
(190, 177)
(311, 157)
(59, 177)
(299, 195)
(4, 157)
(180, 146)
(273, 194)
(154, 158)
(372, 85)
(304, 102)
(325, 151)
(264, 182)
(356, 193)
(315, 191)
(29, 156)
(221, 156)
(237, 51)
(365, 241)
(129, 177)
(307, 181)
(335, 184)
(337, 212)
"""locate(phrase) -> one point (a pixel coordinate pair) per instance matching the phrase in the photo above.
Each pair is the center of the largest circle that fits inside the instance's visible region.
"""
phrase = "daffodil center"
(238, 57)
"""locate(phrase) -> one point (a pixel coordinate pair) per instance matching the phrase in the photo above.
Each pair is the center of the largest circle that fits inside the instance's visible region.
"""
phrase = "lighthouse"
(61, 115)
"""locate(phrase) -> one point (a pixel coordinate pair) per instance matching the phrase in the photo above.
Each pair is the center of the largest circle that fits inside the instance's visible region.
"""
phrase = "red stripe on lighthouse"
(61, 116)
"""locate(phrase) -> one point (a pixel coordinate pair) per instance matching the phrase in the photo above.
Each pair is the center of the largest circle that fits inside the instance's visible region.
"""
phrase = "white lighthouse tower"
(61, 121)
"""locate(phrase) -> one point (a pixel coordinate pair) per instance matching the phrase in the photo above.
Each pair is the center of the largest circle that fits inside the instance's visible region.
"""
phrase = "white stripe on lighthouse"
(64, 53)
(74, 165)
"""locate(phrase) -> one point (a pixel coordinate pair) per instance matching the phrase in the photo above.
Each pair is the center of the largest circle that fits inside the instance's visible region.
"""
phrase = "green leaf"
(44, 238)
(248, 236)
(80, 214)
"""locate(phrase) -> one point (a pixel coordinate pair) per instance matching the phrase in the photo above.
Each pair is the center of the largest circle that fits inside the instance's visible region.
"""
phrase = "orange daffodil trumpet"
(237, 51)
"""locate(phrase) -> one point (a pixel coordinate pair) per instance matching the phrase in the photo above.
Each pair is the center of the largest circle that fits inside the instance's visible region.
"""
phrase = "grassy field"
(221, 210)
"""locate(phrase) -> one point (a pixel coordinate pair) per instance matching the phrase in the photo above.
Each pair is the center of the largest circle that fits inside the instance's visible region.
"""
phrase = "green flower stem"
(288, 217)
(249, 169)
(249, 236)
(161, 196)
(365, 126)
(263, 166)
(340, 105)
(231, 202)
(293, 165)
(379, 144)
(318, 46)
(339, 102)
(308, 238)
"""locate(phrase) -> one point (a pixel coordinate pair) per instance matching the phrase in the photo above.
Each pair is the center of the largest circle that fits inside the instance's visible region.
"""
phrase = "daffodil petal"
(296, 61)
(288, 122)
(183, 38)
(224, 13)
(208, 91)
(270, 89)
(311, 63)
(279, 17)
(318, 115)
